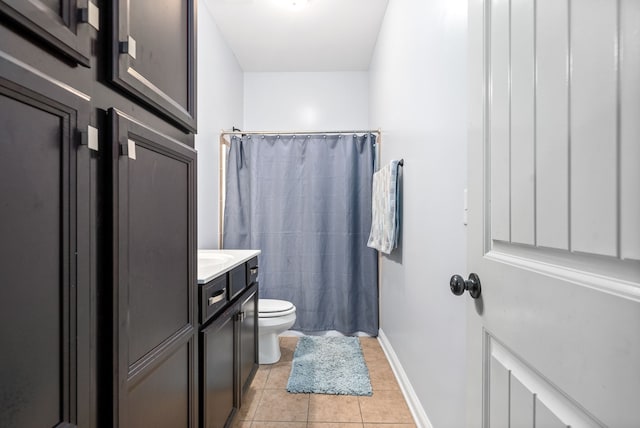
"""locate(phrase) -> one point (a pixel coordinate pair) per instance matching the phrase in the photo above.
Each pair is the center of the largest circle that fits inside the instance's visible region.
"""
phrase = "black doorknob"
(458, 285)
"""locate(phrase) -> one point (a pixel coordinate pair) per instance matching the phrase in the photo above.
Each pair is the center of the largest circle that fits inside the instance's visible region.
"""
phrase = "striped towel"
(385, 221)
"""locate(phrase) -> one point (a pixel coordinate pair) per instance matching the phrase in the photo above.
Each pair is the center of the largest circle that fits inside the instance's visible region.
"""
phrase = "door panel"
(55, 23)
(524, 393)
(521, 406)
(158, 190)
(498, 394)
(32, 358)
(629, 129)
(499, 125)
(552, 125)
(545, 417)
(157, 67)
(217, 363)
(565, 125)
(593, 127)
(162, 400)
(44, 363)
(162, 70)
(154, 246)
(247, 336)
(550, 201)
(522, 103)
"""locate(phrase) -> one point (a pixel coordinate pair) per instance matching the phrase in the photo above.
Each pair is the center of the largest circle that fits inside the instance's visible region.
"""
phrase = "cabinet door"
(217, 368)
(154, 277)
(55, 22)
(44, 252)
(248, 340)
(154, 55)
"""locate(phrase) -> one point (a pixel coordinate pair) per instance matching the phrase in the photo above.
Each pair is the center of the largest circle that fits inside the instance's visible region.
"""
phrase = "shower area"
(304, 200)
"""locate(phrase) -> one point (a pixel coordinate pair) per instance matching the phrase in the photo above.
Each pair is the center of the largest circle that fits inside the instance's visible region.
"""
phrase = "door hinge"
(89, 138)
(90, 15)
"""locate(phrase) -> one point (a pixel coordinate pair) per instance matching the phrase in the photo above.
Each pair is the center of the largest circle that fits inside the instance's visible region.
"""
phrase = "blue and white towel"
(385, 221)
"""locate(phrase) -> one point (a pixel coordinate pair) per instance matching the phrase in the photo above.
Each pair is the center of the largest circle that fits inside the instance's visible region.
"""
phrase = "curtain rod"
(363, 131)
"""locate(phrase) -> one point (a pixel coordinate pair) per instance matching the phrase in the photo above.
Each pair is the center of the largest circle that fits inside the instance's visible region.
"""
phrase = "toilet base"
(269, 348)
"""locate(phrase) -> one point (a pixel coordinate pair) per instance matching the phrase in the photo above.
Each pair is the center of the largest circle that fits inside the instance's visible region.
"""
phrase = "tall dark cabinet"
(153, 191)
(97, 214)
(45, 283)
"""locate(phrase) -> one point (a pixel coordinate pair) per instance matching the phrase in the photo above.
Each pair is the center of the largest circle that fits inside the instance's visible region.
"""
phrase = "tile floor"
(269, 405)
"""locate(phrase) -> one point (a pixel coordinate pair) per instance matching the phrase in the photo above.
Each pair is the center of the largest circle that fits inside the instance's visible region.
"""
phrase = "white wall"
(306, 101)
(220, 95)
(418, 99)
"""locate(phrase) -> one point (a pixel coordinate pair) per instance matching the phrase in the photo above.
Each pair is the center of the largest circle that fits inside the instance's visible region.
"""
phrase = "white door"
(554, 220)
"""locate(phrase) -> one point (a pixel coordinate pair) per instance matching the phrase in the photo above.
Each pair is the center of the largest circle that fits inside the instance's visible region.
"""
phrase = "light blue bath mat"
(329, 365)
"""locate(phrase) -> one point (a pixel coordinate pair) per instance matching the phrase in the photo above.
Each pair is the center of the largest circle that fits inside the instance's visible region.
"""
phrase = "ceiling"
(299, 35)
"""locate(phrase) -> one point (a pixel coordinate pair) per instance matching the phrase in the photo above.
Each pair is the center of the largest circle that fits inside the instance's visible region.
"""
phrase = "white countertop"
(213, 263)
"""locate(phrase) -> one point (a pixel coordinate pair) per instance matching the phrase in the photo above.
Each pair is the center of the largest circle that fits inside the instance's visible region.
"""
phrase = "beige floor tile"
(371, 357)
(260, 378)
(334, 408)
(279, 405)
(384, 381)
(389, 425)
(278, 377)
(385, 407)
(369, 341)
(372, 351)
(270, 406)
(379, 366)
(250, 403)
(279, 425)
(287, 348)
(282, 363)
(334, 425)
(382, 377)
(240, 424)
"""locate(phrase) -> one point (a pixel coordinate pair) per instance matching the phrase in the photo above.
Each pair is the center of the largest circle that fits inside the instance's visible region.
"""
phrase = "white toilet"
(274, 317)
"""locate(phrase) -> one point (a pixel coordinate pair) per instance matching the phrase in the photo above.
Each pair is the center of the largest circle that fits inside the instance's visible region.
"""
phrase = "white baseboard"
(417, 411)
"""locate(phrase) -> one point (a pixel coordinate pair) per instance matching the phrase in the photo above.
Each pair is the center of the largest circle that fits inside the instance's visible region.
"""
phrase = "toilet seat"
(273, 308)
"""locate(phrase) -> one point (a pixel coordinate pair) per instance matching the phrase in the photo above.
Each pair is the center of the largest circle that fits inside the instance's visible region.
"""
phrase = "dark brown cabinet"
(153, 47)
(217, 362)
(154, 285)
(56, 23)
(228, 350)
(247, 342)
(98, 309)
(45, 300)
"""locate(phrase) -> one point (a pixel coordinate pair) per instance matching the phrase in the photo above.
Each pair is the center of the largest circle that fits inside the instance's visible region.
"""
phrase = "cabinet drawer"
(213, 297)
(237, 281)
(252, 271)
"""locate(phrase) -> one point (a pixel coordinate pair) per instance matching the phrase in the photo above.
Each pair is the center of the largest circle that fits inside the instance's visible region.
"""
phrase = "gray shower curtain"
(305, 201)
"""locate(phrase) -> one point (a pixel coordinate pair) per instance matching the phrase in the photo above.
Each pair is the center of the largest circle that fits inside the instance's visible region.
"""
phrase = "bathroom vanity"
(228, 332)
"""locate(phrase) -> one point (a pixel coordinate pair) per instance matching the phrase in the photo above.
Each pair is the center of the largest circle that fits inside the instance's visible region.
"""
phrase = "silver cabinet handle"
(254, 271)
(218, 297)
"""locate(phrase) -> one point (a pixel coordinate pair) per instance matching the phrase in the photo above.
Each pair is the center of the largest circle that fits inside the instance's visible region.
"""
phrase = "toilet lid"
(274, 307)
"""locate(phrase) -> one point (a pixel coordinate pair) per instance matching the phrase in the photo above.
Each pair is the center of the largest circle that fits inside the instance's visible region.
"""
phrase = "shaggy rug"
(329, 365)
